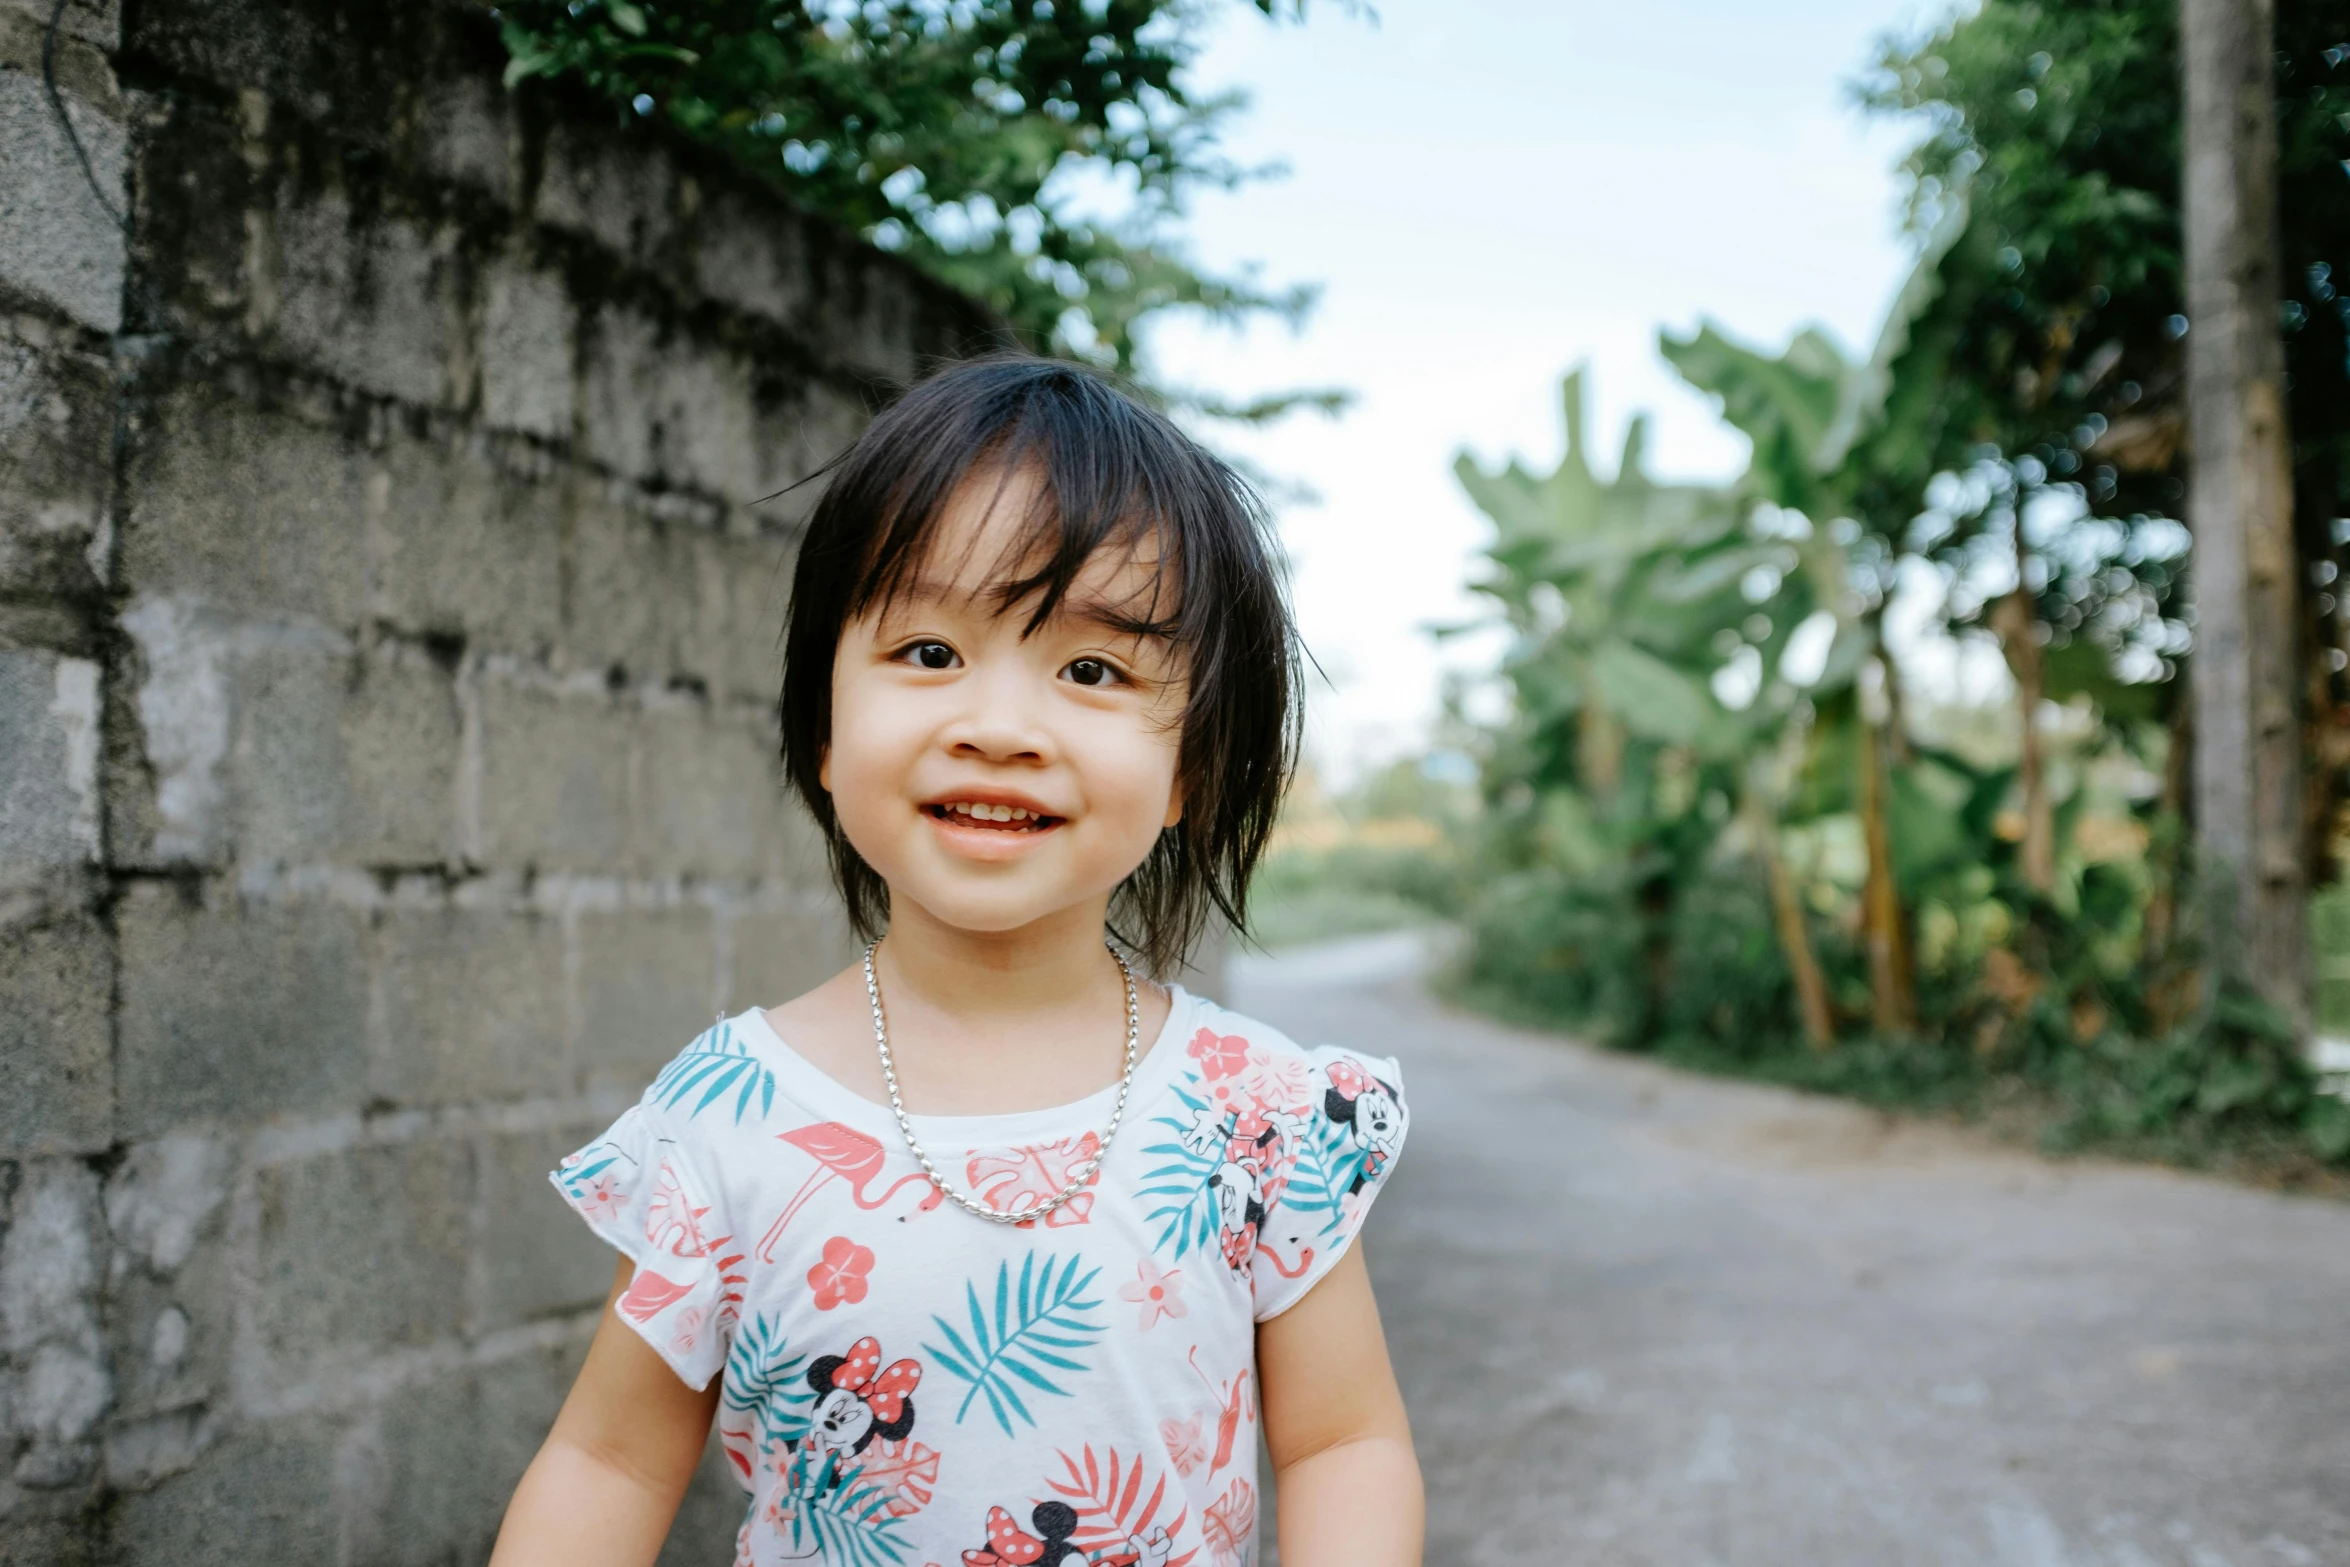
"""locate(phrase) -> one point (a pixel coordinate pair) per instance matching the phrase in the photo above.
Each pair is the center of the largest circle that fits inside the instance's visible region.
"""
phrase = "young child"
(989, 1249)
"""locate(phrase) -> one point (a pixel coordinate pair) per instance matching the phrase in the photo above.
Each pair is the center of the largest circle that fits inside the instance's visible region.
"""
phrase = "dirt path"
(1643, 1318)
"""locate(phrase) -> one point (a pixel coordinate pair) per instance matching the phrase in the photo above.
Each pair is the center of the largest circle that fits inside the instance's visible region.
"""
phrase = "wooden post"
(2240, 506)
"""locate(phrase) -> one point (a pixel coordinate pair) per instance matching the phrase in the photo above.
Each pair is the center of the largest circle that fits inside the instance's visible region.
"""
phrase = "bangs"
(1090, 470)
(1087, 478)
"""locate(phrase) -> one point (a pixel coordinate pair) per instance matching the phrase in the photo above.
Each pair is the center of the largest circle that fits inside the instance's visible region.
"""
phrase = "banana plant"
(1835, 442)
(1615, 590)
(1623, 595)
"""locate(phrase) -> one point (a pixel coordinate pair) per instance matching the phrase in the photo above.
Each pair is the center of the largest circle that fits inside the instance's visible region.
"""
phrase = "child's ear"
(824, 770)
(1174, 806)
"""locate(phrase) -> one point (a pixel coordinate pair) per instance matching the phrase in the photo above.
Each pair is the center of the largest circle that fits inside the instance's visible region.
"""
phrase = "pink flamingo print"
(1305, 1260)
(845, 1153)
(1232, 1403)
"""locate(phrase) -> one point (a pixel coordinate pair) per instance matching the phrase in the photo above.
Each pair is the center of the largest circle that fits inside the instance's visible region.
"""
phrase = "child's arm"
(605, 1486)
(1336, 1431)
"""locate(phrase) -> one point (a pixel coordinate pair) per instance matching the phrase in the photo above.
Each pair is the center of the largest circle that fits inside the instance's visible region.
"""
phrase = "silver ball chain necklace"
(964, 1200)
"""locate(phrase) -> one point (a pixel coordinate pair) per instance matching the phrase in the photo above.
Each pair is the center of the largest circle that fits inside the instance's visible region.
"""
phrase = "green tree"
(982, 139)
(2052, 129)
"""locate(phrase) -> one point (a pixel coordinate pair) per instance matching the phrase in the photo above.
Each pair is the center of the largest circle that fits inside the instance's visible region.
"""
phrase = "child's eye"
(1091, 672)
(929, 655)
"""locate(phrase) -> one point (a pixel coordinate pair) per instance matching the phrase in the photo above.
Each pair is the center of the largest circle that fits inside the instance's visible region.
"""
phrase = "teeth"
(992, 813)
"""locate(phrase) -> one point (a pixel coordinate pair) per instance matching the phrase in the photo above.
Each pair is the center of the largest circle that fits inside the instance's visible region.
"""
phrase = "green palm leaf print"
(1327, 1162)
(765, 1380)
(717, 1063)
(1186, 1216)
(847, 1522)
(1041, 1322)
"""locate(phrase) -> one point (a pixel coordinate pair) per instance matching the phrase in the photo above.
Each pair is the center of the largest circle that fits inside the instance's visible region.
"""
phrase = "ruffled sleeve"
(638, 1187)
(1343, 1143)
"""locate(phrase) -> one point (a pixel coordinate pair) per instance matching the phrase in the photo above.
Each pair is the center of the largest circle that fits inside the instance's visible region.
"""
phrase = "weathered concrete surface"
(1643, 1318)
(388, 628)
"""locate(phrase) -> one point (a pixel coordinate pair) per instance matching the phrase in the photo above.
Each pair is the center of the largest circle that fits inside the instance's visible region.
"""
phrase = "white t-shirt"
(907, 1384)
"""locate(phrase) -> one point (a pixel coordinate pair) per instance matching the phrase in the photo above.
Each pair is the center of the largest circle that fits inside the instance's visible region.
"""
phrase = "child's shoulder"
(729, 1074)
(1222, 1038)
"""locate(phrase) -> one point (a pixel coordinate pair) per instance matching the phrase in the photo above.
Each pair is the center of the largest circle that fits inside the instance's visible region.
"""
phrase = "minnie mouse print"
(857, 1401)
(1365, 1106)
(1008, 1545)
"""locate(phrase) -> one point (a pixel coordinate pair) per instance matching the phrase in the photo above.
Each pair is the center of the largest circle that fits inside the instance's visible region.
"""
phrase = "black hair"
(820, 1372)
(1110, 472)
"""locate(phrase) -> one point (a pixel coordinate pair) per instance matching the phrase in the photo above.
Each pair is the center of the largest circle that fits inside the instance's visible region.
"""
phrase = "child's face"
(945, 719)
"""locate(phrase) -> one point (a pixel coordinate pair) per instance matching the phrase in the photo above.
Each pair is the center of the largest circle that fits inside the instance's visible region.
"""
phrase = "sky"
(1491, 192)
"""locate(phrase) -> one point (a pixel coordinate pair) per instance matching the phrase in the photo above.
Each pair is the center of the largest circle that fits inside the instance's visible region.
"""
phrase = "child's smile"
(992, 767)
(994, 814)
(991, 826)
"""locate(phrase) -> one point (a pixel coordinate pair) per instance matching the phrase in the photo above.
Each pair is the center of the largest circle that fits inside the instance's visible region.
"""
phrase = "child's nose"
(1001, 723)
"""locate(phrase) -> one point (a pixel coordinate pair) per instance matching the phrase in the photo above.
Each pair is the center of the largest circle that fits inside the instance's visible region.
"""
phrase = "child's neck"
(991, 977)
(980, 1023)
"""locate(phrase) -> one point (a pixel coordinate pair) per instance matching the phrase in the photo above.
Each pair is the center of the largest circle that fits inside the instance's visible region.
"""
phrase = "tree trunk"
(1892, 989)
(1811, 987)
(1897, 747)
(2017, 620)
(2240, 505)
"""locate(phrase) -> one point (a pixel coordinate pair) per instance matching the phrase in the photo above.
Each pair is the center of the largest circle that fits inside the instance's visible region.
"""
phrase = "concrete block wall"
(388, 624)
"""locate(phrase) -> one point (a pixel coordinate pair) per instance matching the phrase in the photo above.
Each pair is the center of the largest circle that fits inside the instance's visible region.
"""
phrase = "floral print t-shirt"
(908, 1385)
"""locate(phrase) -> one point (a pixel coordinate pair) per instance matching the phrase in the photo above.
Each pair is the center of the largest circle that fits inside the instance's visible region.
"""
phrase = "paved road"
(1648, 1320)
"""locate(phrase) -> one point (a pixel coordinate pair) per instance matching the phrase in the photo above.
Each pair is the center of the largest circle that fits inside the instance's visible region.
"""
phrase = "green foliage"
(2056, 356)
(976, 137)
(2019, 412)
(1618, 880)
(2238, 1078)
(2053, 128)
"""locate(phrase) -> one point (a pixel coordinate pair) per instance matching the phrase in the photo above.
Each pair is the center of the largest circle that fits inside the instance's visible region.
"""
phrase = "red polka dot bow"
(1350, 1080)
(885, 1393)
(1006, 1544)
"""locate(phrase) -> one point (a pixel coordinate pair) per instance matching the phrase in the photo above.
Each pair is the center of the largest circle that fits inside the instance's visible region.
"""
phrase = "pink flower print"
(840, 1276)
(1185, 1445)
(600, 1200)
(1277, 1080)
(1158, 1294)
(1218, 1055)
